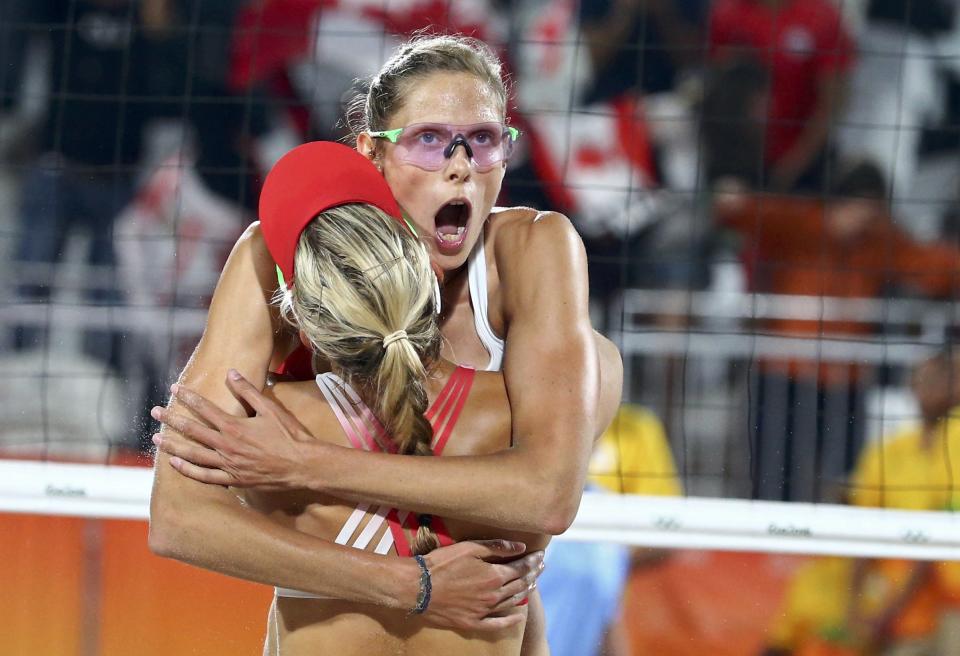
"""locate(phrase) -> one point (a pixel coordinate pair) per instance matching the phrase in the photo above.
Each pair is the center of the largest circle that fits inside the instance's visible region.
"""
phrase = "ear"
(366, 146)
(304, 340)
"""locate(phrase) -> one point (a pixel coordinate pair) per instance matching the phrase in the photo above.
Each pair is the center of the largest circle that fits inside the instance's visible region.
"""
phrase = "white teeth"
(452, 237)
(456, 202)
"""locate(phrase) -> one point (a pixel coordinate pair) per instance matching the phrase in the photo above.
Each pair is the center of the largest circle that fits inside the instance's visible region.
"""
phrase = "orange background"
(84, 587)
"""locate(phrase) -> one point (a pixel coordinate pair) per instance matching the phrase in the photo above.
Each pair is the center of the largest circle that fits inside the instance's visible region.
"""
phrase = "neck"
(438, 377)
(454, 291)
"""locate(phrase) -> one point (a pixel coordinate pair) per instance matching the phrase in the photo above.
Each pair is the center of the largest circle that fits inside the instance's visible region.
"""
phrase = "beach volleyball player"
(361, 293)
(514, 274)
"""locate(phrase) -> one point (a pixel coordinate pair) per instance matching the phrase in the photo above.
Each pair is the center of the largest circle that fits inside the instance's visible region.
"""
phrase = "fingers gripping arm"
(208, 526)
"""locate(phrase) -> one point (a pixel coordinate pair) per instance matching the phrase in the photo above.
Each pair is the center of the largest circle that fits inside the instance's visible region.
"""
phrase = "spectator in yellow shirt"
(633, 456)
(911, 471)
(841, 606)
(815, 611)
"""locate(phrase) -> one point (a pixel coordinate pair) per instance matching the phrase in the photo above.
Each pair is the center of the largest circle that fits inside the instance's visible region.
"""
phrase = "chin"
(451, 261)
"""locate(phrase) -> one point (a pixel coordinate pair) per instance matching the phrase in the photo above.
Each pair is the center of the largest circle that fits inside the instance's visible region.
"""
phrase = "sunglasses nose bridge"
(458, 140)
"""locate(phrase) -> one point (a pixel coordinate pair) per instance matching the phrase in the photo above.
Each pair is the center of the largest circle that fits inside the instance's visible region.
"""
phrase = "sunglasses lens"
(424, 144)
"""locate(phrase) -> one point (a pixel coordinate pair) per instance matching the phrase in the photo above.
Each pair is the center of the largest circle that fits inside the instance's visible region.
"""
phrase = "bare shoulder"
(525, 240)
(305, 401)
(298, 397)
(514, 231)
(293, 393)
(251, 242)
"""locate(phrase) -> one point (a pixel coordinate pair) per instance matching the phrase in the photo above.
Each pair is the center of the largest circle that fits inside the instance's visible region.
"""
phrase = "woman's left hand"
(264, 451)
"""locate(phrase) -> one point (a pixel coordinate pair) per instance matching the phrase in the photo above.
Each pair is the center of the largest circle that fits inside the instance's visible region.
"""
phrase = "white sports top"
(477, 279)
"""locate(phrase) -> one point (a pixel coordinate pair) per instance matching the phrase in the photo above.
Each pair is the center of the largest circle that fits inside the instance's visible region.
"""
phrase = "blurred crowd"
(795, 138)
(809, 144)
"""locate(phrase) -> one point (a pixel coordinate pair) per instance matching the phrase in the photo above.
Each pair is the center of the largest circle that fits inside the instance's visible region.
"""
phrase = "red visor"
(308, 180)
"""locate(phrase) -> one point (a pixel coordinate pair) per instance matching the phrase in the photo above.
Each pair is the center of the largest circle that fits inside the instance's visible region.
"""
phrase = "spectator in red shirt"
(807, 52)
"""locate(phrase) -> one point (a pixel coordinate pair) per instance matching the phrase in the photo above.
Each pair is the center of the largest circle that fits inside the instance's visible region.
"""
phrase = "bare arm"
(199, 523)
(207, 526)
(552, 371)
(552, 376)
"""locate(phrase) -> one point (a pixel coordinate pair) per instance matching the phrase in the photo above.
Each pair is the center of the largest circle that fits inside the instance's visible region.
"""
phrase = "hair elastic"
(394, 337)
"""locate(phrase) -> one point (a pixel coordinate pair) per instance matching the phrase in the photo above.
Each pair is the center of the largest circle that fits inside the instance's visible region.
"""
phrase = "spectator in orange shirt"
(809, 419)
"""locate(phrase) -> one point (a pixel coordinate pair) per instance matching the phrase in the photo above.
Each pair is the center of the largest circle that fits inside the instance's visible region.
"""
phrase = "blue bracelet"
(426, 587)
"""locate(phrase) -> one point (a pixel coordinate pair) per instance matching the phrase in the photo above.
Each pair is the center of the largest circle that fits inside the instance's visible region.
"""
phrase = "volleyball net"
(98, 317)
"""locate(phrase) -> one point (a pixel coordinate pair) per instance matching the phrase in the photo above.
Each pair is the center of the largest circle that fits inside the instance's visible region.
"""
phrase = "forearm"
(207, 525)
(474, 488)
(809, 144)
(214, 531)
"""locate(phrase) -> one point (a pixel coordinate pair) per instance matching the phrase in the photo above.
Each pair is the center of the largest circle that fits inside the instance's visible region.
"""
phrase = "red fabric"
(549, 172)
(444, 411)
(436, 15)
(799, 42)
(455, 392)
(633, 144)
(298, 365)
(398, 528)
(634, 134)
(268, 35)
(311, 178)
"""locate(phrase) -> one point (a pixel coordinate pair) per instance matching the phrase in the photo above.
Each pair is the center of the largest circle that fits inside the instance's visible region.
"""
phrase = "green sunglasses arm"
(389, 135)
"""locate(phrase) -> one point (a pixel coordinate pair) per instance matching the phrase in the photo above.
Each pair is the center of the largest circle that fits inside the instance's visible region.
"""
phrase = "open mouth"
(451, 224)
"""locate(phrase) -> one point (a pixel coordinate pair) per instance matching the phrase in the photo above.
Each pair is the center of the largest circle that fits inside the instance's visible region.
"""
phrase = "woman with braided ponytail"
(362, 298)
(435, 125)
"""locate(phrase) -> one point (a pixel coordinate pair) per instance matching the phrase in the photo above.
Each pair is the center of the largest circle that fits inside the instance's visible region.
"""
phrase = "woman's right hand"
(471, 594)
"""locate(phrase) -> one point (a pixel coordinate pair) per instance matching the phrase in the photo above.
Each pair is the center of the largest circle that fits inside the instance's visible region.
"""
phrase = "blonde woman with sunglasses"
(514, 296)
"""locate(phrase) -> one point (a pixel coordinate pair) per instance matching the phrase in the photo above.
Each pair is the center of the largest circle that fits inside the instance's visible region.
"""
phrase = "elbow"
(556, 524)
(174, 528)
(559, 518)
(161, 536)
(543, 508)
(550, 499)
(558, 509)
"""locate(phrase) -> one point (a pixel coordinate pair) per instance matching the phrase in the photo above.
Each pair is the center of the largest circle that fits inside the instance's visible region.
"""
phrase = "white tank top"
(477, 280)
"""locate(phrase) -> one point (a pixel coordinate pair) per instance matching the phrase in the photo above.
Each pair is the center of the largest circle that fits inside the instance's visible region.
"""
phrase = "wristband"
(426, 587)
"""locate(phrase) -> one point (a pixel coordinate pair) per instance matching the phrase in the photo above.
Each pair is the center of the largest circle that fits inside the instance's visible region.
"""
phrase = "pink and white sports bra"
(389, 527)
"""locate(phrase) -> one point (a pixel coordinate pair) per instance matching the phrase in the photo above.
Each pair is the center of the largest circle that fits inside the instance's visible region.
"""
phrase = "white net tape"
(116, 492)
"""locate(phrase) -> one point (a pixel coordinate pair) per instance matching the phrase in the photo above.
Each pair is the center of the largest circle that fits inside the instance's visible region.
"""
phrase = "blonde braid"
(360, 280)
